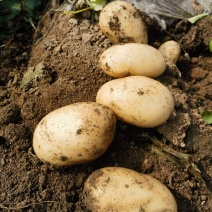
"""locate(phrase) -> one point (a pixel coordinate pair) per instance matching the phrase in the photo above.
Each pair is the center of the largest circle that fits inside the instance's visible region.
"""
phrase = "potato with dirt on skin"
(74, 134)
(137, 100)
(171, 51)
(125, 190)
(132, 59)
(121, 23)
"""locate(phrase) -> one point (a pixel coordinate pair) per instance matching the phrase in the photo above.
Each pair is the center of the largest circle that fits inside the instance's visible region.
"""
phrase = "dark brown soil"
(67, 50)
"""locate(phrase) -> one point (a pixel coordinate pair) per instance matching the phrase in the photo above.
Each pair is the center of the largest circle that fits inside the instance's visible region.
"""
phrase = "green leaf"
(98, 4)
(210, 45)
(197, 17)
(31, 74)
(12, 8)
(32, 7)
(207, 116)
(92, 5)
(33, 4)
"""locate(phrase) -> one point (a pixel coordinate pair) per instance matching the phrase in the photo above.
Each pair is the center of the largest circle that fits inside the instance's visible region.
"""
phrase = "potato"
(74, 134)
(132, 59)
(171, 51)
(121, 189)
(121, 23)
(137, 100)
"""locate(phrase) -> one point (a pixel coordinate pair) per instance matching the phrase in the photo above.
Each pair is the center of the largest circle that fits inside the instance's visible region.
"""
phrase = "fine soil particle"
(69, 48)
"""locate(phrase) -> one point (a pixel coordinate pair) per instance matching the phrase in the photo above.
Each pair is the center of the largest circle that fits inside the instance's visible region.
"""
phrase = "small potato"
(132, 59)
(124, 190)
(137, 100)
(121, 23)
(171, 51)
(74, 134)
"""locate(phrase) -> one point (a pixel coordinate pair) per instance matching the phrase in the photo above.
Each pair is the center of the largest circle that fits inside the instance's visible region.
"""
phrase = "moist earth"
(57, 65)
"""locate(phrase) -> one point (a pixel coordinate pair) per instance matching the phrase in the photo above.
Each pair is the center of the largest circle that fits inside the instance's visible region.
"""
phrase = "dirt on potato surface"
(64, 53)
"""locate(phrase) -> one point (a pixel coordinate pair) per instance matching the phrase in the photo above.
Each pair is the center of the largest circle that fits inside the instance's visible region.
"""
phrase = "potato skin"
(121, 23)
(171, 51)
(74, 134)
(121, 189)
(137, 100)
(132, 59)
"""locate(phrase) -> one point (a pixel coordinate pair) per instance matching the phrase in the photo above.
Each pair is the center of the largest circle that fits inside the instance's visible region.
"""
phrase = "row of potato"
(81, 132)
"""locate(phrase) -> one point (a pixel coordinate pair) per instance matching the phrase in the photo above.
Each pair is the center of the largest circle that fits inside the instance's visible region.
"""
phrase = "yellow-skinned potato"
(171, 51)
(74, 134)
(137, 100)
(124, 190)
(132, 59)
(121, 23)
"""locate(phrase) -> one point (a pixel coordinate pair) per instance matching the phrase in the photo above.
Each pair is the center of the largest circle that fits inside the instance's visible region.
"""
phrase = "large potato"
(74, 134)
(137, 100)
(121, 23)
(132, 59)
(120, 189)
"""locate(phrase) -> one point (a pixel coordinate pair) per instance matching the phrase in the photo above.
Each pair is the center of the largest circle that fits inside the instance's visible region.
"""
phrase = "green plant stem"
(78, 11)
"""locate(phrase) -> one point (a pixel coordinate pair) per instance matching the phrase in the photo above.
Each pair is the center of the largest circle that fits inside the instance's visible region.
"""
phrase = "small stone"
(175, 84)
(3, 161)
(203, 202)
(203, 197)
(37, 93)
(24, 55)
(190, 184)
(58, 49)
(182, 144)
(146, 161)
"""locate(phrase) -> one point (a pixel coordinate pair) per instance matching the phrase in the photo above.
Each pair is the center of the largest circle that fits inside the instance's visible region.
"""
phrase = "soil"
(64, 52)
